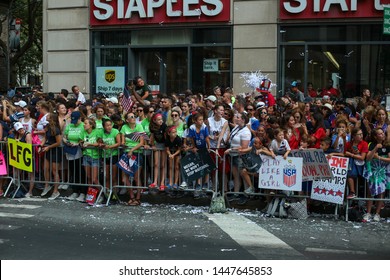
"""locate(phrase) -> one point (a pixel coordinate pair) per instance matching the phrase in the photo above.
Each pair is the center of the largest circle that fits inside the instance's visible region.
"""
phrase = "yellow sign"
(109, 75)
(20, 155)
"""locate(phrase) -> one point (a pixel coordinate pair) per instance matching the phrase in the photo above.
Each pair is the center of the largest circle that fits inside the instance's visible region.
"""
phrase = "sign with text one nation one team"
(281, 174)
(315, 164)
(20, 155)
(332, 190)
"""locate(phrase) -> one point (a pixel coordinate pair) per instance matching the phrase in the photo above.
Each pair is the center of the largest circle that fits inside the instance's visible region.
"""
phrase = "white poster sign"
(281, 174)
(332, 190)
(110, 80)
(315, 164)
(210, 65)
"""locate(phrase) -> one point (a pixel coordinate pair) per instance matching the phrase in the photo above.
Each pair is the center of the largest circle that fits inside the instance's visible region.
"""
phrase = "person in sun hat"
(266, 95)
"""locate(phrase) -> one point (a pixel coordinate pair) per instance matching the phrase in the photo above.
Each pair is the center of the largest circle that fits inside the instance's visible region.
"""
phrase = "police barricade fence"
(51, 169)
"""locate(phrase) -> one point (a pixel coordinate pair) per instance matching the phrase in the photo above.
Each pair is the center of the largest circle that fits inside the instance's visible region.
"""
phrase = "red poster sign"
(125, 12)
(327, 9)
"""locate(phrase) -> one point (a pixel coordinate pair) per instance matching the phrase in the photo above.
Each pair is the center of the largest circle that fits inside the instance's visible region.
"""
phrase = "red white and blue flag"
(289, 175)
(126, 102)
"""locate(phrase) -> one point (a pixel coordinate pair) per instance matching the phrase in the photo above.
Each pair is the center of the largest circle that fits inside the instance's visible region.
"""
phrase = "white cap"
(260, 105)
(113, 100)
(18, 125)
(329, 106)
(21, 103)
(212, 98)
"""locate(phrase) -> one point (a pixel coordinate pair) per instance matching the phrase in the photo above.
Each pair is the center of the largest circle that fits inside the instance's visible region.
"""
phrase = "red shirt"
(330, 92)
(318, 135)
(362, 147)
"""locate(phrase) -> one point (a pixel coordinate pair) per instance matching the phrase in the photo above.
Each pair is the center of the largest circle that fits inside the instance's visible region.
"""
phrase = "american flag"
(135, 136)
(126, 101)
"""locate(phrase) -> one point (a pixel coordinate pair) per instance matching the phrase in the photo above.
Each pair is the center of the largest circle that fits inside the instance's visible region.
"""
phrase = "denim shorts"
(88, 161)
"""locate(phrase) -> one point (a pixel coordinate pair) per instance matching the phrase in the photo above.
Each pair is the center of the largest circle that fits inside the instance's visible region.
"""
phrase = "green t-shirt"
(127, 130)
(110, 139)
(99, 123)
(145, 124)
(92, 138)
(73, 133)
(180, 129)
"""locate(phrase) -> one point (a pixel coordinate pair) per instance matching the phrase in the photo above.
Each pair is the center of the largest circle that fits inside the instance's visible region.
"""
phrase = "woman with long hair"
(377, 172)
(382, 122)
(318, 131)
(53, 155)
(27, 121)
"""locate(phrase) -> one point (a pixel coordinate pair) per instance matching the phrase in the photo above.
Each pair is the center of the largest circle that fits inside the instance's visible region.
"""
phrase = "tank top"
(27, 125)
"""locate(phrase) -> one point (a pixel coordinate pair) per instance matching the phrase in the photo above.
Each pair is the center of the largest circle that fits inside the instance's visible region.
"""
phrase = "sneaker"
(46, 190)
(54, 195)
(197, 191)
(183, 186)
(366, 217)
(249, 190)
(73, 196)
(175, 187)
(63, 187)
(205, 187)
(27, 195)
(81, 197)
(377, 218)
(351, 196)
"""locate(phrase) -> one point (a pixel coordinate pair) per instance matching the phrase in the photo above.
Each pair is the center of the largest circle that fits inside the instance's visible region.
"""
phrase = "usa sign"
(124, 12)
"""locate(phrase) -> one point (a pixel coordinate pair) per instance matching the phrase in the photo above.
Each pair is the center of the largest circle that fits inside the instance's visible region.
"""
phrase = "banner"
(281, 174)
(197, 165)
(332, 190)
(20, 155)
(315, 164)
(110, 80)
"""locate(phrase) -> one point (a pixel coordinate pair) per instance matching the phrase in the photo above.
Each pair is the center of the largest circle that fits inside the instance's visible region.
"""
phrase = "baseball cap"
(294, 84)
(211, 98)
(327, 105)
(74, 117)
(21, 103)
(112, 100)
(260, 105)
(18, 125)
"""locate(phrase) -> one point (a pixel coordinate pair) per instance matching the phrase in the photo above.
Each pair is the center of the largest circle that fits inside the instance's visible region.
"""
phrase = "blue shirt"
(199, 138)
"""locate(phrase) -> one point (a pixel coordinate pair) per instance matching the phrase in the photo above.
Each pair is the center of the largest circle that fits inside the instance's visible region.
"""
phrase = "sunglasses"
(174, 115)
(250, 109)
(140, 110)
(263, 113)
(151, 112)
(131, 117)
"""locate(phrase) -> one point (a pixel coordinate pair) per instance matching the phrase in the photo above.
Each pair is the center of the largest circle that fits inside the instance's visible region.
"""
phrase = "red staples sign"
(125, 12)
(315, 9)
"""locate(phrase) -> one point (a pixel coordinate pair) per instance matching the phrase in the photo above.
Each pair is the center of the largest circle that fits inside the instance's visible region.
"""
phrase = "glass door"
(165, 70)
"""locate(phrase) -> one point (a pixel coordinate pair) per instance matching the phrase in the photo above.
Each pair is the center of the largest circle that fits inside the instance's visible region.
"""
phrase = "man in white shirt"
(80, 97)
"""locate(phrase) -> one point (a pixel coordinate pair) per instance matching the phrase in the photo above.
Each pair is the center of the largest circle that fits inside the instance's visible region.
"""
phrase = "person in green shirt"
(91, 139)
(72, 139)
(100, 111)
(133, 152)
(111, 140)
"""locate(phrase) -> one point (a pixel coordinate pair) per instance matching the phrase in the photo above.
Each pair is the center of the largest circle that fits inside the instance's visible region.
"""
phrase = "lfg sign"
(123, 12)
(308, 9)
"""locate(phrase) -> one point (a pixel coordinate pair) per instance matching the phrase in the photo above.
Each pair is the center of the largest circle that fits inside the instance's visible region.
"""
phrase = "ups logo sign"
(109, 75)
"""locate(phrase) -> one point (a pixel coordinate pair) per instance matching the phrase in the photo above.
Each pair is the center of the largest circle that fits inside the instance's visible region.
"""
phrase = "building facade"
(197, 44)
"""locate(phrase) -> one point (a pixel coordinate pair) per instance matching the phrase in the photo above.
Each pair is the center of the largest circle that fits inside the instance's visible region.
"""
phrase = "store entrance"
(165, 70)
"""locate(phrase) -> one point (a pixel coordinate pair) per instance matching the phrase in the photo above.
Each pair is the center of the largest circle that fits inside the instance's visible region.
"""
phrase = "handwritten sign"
(20, 155)
(332, 190)
(197, 165)
(281, 174)
(315, 164)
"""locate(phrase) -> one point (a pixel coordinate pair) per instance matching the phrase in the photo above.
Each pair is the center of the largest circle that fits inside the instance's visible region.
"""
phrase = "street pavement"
(39, 229)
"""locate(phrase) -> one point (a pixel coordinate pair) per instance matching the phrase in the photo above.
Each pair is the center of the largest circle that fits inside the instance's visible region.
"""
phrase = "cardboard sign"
(332, 190)
(20, 155)
(281, 174)
(3, 165)
(197, 165)
(315, 164)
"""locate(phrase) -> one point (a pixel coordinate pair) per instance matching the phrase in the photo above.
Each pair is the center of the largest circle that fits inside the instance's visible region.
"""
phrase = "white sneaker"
(28, 195)
(81, 197)
(377, 218)
(249, 190)
(63, 187)
(73, 196)
(366, 217)
(46, 190)
(54, 195)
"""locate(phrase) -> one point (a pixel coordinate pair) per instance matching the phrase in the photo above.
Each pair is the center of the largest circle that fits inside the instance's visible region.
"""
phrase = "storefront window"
(354, 57)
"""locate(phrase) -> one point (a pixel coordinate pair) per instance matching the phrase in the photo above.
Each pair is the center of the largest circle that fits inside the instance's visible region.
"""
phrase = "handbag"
(217, 203)
(297, 210)
(251, 162)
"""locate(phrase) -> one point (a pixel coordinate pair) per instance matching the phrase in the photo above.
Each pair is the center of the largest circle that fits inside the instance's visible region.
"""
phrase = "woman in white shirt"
(240, 137)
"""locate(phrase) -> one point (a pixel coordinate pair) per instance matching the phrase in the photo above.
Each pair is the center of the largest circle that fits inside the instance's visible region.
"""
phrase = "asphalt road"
(38, 229)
